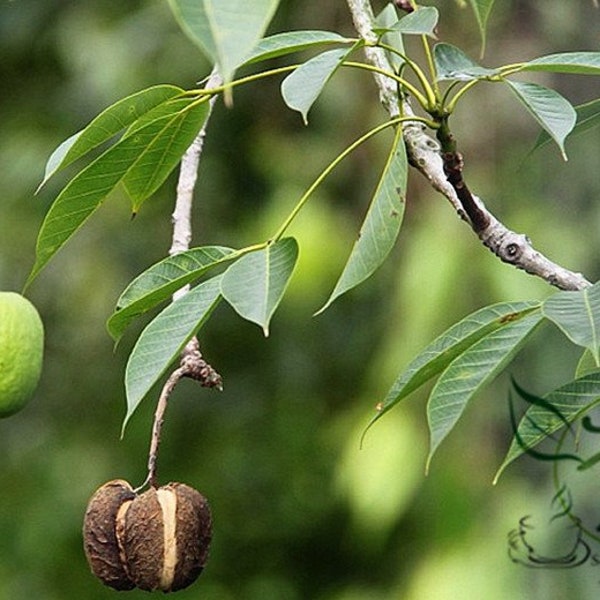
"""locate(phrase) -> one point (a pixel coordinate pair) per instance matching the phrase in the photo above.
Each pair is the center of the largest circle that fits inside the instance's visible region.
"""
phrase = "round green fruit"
(21, 351)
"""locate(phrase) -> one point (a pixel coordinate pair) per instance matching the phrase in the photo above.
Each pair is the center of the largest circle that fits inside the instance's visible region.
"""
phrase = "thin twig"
(192, 365)
(188, 174)
(424, 154)
(159, 417)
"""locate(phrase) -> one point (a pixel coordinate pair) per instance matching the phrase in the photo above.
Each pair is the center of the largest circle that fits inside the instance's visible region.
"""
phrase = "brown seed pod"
(167, 532)
(101, 545)
(158, 540)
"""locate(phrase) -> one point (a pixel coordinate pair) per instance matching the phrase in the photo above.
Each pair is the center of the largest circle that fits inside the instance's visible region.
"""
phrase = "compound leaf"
(453, 64)
(159, 156)
(482, 10)
(150, 152)
(422, 21)
(588, 117)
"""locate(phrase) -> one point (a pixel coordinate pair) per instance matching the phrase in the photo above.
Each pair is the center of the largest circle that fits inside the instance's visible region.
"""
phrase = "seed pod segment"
(101, 545)
(167, 534)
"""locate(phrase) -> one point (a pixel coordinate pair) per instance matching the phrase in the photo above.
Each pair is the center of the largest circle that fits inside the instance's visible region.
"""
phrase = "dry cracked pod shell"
(100, 537)
(157, 540)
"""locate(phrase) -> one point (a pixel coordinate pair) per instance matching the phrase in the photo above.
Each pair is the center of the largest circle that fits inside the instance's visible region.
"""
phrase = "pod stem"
(192, 365)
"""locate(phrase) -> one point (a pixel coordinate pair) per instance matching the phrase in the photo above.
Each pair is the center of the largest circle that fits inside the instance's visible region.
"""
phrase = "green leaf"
(226, 31)
(452, 343)
(534, 400)
(166, 110)
(587, 364)
(58, 158)
(579, 63)
(381, 225)
(453, 64)
(158, 283)
(163, 339)
(571, 400)
(302, 87)
(468, 373)
(254, 285)
(422, 21)
(107, 124)
(588, 117)
(482, 10)
(577, 315)
(551, 456)
(282, 44)
(149, 152)
(553, 112)
(162, 154)
(384, 21)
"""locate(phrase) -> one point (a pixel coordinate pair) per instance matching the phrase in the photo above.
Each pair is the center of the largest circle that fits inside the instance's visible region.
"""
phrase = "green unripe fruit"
(21, 351)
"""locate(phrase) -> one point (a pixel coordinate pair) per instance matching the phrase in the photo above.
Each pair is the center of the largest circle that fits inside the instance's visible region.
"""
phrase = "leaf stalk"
(335, 162)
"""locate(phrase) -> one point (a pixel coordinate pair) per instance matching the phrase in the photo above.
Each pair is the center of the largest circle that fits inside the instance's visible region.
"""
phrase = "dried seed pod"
(158, 540)
(101, 545)
(166, 535)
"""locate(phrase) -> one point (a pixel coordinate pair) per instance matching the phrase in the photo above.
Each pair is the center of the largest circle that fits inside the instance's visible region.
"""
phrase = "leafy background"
(300, 510)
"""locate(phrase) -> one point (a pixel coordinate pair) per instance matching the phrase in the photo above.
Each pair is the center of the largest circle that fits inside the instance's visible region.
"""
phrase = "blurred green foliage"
(300, 510)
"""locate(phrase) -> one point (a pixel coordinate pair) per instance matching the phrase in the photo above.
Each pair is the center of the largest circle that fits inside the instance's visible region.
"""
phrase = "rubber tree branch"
(182, 221)
(182, 230)
(188, 174)
(444, 173)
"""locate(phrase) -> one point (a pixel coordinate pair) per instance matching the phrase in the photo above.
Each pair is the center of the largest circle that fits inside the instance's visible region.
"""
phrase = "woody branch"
(442, 166)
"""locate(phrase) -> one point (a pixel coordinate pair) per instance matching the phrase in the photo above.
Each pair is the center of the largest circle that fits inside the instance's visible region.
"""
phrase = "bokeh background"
(301, 511)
